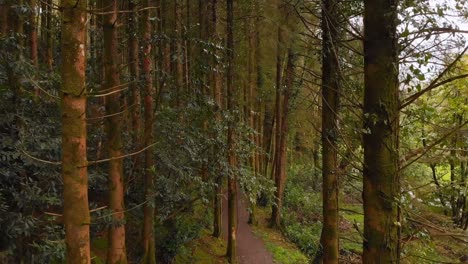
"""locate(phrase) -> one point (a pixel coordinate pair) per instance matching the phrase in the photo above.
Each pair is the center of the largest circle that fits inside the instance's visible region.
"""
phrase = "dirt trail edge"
(250, 248)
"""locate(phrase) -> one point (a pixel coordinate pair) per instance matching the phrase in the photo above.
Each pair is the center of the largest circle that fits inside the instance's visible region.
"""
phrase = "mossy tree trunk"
(74, 164)
(330, 106)
(381, 120)
(116, 251)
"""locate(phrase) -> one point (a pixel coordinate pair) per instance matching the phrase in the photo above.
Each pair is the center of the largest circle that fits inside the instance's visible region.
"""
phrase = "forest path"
(250, 248)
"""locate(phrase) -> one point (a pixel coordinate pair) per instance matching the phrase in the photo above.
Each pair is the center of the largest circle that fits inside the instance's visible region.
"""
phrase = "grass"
(282, 250)
(424, 251)
(351, 240)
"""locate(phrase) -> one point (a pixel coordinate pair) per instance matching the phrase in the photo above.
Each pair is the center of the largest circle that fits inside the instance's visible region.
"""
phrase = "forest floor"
(250, 248)
(256, 244)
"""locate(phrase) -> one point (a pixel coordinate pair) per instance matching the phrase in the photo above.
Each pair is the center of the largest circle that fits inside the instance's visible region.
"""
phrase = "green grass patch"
(284, 255)
(282, 250)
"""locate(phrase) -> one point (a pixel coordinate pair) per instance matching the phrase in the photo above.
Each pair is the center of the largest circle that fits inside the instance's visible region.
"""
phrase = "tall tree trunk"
(134, 67)
(46, 36)
(216, 80)
(33, 33)
(232, 180)
(258, 85)
(315, 156)
(252, 96)
(381, 119)
(188, 48)
(433, 167)
(116, 251)
(49, 36)
(43, 21)
(453, 180)
(166, 50)
(179, 52)
(268, 125)
(4, 10)
(464, 201)
(149, 247)
(18, 26)
(329, 239)
(280, 170)
(74, 163)
(279, 85)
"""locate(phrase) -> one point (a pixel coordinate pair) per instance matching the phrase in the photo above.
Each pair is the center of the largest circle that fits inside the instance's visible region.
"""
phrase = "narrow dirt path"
(250, 249)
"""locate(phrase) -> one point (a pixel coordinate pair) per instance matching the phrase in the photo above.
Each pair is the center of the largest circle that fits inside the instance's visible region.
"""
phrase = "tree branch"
(435, 83)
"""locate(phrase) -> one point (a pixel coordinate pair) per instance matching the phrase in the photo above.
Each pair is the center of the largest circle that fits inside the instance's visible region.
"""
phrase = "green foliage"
(306, 237)
(424, 251)
(302, 209)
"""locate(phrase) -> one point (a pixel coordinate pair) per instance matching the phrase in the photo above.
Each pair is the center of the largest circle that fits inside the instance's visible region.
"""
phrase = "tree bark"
(216, 82)
(179, 53)
(232, 180)
(17, 24)
(149, 247)
(134, 67)
(381, 119)
(4, 10)
(33, 34)
(329, 239)
(280, 170)
(275, 214)
(268, 125)
(116, 251)
(50, 42)
(453, 180)
(74, 163)
(433, 167)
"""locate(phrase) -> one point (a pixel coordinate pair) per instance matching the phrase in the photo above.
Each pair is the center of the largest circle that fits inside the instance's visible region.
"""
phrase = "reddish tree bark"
(134, 68)
(33, 33)
(74, 164)
(149, 247)
(232, 180)
(280, 170)
(48, 35)
(116, 250)
(216, 82)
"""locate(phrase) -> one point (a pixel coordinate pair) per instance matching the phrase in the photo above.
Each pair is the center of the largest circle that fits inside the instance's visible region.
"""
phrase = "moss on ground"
(99, 250)
(205, 250)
